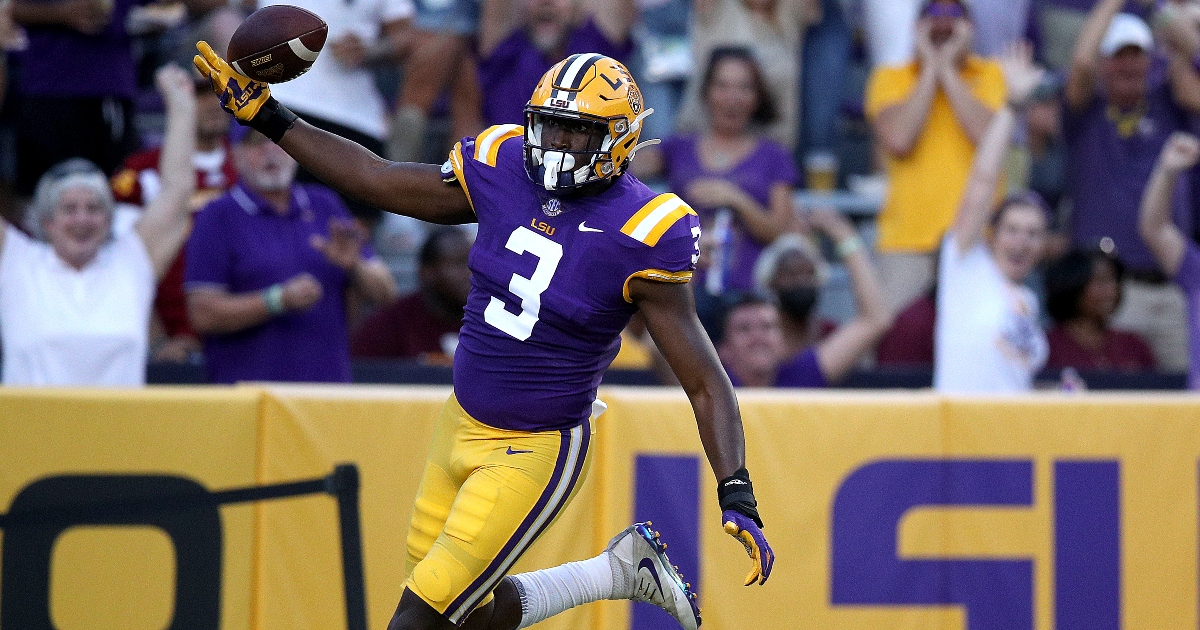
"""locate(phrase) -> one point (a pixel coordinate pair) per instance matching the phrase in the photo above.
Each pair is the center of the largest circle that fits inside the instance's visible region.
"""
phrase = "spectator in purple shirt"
(519, 40)
(1117, 120)
(1177, 255)
(740, 182)
(77, 84)
(268, 268)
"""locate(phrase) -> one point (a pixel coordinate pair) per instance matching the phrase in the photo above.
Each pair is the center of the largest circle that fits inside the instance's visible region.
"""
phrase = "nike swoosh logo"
(648, 564)
(584, 228)
(510, 451)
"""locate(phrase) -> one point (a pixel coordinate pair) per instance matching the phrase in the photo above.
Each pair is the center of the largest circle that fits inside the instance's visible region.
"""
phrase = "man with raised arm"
(1176, 254)
(1119, 115)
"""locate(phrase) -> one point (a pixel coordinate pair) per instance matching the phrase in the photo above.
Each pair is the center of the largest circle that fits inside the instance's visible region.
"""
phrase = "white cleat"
(642, 573)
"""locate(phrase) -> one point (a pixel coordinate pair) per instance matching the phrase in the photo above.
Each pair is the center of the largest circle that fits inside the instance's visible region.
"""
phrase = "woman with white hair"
(75, 298)
(793, 270)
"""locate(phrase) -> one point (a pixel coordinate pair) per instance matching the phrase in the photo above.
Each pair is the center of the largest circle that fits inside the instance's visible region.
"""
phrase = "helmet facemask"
(565, 150)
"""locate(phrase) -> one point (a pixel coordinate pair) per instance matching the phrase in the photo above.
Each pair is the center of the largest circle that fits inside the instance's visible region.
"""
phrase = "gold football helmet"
(582, 123)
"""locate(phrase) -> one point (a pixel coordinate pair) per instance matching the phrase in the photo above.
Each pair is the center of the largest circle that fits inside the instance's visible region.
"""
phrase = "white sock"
(548, 592)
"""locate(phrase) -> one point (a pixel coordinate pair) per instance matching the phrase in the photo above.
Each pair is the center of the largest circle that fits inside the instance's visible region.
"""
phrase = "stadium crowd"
(1031, 161)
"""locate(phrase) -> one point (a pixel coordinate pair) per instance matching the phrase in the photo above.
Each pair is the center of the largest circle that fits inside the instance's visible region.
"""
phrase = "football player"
(568, 248)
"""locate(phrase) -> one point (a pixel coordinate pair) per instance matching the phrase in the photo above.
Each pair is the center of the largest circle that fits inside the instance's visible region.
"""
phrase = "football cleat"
(642, 573)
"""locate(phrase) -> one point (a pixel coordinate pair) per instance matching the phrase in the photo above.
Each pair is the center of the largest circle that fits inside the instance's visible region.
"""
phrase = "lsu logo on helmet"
(582, 123)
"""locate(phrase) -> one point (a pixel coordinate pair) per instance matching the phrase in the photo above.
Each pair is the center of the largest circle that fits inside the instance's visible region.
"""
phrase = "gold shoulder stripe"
(655, 218)
(487, 144)
(456, 163)
(657, 275)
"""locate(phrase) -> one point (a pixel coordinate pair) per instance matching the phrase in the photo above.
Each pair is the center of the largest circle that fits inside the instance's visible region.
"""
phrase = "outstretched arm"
(1081, 82)
(414, 190)
(1185, 82)
(1164, 239)
(670, 315)
(406, 188)
(977, 204)
(165, 224)
(837, 353)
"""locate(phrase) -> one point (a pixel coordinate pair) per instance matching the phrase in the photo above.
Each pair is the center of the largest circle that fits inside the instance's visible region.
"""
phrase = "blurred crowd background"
(890, 195)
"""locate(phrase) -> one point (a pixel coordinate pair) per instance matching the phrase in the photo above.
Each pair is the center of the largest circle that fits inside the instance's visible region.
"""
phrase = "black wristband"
(272, 120)
(736, 493)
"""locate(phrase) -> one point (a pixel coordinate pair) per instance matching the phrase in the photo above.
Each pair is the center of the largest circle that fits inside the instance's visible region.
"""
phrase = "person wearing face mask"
(792, 271)
(75, 299)
(988, 335)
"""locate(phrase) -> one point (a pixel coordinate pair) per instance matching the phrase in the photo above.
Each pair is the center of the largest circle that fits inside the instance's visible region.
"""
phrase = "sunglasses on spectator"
(944, 9)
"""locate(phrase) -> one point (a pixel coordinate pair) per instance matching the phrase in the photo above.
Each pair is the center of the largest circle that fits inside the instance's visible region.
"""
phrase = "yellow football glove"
(751, 537)
(240, 95)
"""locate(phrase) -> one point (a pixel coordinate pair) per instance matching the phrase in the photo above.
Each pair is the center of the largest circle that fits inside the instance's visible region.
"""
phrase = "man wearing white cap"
(1118, 119)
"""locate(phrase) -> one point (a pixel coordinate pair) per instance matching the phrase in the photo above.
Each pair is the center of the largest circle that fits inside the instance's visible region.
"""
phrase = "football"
(277, 43)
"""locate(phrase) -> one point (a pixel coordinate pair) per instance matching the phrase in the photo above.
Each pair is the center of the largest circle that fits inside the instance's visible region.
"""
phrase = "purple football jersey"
(549, 283)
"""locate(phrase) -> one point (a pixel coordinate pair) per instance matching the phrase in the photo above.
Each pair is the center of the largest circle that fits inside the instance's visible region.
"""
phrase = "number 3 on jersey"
(530, 289)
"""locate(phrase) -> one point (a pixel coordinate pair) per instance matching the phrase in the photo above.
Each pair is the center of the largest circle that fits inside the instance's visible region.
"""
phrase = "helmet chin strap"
(554, 163)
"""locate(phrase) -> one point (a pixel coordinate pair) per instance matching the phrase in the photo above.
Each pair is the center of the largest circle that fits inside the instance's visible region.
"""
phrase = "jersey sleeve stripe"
(649, 224)
(487, 146)
(637, 218)
(456, 163)
(665, 224)
(657, 275)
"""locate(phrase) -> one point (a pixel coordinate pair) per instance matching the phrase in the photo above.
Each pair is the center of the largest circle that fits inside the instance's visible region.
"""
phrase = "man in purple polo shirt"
(77, 84)
(520, 39)
(1117, 121)
(1177, 255)
(268, 265)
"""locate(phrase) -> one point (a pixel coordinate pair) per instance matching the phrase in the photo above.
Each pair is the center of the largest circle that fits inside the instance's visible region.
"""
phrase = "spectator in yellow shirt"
(928, 116)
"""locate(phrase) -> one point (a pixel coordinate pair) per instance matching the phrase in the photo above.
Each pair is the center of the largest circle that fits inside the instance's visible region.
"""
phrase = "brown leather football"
(277, 43)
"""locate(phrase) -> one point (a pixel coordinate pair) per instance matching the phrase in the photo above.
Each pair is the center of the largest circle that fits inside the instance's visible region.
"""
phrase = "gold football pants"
(485, 496)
